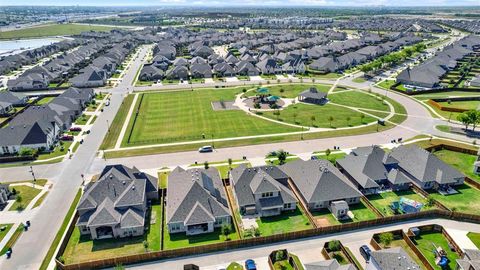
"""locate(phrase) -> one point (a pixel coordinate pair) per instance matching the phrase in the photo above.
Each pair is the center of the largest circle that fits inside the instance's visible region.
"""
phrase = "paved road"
(32, 246)
(307, 249)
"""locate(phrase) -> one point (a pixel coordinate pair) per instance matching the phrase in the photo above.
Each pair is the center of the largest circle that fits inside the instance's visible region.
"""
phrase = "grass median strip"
(11, 242)
(116, 126)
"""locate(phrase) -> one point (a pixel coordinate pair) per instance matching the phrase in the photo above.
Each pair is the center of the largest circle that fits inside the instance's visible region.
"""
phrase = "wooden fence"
(302, 203)
(371, 207)
(437, 105)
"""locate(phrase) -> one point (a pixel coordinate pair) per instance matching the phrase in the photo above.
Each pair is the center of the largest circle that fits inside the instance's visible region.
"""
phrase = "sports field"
(188, 115)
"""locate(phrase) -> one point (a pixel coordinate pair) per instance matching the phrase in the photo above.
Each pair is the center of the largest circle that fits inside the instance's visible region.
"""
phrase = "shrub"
(386, 238)
(334, 245)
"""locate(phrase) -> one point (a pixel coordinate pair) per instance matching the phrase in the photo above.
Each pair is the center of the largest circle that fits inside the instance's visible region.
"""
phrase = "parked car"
(250, 265)
(205, 149)
(365, 251)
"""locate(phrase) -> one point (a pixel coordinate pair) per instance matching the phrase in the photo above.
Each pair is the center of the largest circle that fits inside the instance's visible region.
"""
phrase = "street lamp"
(33, 175)
(213, 143)
(108, 126)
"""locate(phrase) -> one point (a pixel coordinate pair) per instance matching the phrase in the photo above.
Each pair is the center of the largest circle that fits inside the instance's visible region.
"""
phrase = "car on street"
(205, 149)
(250, 265)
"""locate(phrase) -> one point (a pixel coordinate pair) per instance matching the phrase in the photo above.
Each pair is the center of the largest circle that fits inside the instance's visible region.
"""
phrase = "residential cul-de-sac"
(203, 136)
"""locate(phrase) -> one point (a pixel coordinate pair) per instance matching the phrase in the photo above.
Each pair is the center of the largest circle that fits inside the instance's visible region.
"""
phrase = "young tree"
(362, 118)
(348, 120)
(313, 119)
(295, 117)
(205, 164)
(386, 238)
(230, 161)
(328, 152)
(330, 119)
(226, 230)
(474, 118)
(145, 245)
(463, 118)
(282, 156)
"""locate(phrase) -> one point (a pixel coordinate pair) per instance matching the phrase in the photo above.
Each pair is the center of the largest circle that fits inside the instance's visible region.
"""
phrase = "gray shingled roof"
(424, 165)
(393, 259)
(319, 180)
(328, 265)
(195, 195)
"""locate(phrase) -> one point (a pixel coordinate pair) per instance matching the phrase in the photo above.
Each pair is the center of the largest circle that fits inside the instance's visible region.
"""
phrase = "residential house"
(196, 201)
(224, 70)
(325, 64)
(268, 66)
(371, 169)
(177, 72)
(319, 183)
(262, 191)
(9, 100)
(201, 70)
(395, 258)
(116, 205)
(329, 265)
(470, 260)
(425, 169)
(150, 72)
(246, 69)
(4, 194)
(90, 76)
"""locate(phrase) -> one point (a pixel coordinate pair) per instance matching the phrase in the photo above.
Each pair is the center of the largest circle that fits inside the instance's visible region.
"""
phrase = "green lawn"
(186, 115)
(383, 200)
(359, 80)
(286, 222)
(386, 84)
(466, 200)
(59, 150)
(27, 194)
(332, 157)
(163, 179)
(466, 105)
(290, 90)
(83, 119)
(40, 200)
(11, 242)
(181, 240)
(425, 243)
(116, 126)
(52, 30)
(447, 94)
(461, 161)
(342, 117)
(4, 232)
(474, 237)
(82, 248)
(358, 99)
(44, 100)
(360, 212)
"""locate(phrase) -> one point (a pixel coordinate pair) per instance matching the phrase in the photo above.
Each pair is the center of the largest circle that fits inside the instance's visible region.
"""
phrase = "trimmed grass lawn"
(383, 200)
(44, 100)
(52, 30)
(83, 119)
(57, 151)
(163, 179)
(286, 222)
(447, 94)
(290, 90)
(401, 243)
(303, 116)
(11, 242)
(359, 80)
(466, 200)
(116, 126)
(4, 232)
(181, 240)
(332, 157)
(358, 99)
(360, 212)
(425, 243)
(386, 84)
(82, 248)
(39, 182)
(27, 193)
(186, 115)
(462, 161)
(466, 105)
(474, 237)
(40, 200)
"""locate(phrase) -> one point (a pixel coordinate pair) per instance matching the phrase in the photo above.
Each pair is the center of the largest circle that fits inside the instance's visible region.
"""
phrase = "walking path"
(127, 121)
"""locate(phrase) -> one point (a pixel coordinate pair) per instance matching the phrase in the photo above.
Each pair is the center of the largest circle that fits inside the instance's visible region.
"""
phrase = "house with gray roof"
(196, 201)
(319, 183)
(262, 191)
(151, 72)
(325, 64)
(198, 70)
(329, 265)
(312, 95)
(116, 205)
(470, 260)
(8, 100)
(4, 195)
(395, 258)
(425, 169)
(371, 169)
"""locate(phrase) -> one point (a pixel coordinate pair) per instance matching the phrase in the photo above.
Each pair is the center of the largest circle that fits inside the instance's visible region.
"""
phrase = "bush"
(334, 245)
(25, 151)
(386, 238)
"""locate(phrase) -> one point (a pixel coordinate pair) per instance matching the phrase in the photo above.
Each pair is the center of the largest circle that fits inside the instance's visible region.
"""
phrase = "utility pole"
(33, 175)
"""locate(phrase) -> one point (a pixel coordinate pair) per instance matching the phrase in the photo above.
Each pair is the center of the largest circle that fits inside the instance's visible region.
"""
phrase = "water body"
(8, 47)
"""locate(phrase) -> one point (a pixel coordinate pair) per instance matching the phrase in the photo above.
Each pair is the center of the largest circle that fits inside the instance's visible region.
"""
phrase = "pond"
(8, 47)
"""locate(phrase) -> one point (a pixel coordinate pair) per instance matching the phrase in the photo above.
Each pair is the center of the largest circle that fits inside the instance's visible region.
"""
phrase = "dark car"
(250, 265)
(365, 251)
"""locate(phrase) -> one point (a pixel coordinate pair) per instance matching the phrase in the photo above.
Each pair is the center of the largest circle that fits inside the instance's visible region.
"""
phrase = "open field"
(82, 248)
(358, 99)
(425, 243)
(52, 30)
(116, 126)
(187, 115)
(383, 200)
(461, 161)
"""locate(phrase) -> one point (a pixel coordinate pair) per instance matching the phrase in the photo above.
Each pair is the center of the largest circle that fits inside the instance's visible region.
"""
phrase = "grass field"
(425, 242)
(82, 248)
(52, 30)
(5, 231)
(462, 161)
(44, 100)
(448, 94)
(358, 99)
(13, 239)
(383, 200)
(27, 194)
(286, 222)
(116, 126)
(474, 237)
(40, 200)
(290, 90)
(466, 200)
(466, 105)
(187, 115)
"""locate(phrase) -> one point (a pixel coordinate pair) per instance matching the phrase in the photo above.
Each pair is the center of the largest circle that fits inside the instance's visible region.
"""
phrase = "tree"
(205, 164)
(145, 245)
(282, 156)
(19, 198)
(430, 201)
(334, 245)
(230, 161)
(313, 119)
(386, 238)
(473, 117)
(463, 118)
(330, 119)
(362, 118)
(348, 120)
(328, 152)
(226, 230)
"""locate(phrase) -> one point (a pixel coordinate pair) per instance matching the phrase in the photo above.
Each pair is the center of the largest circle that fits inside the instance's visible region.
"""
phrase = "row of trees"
(392, 58)
(469, 118)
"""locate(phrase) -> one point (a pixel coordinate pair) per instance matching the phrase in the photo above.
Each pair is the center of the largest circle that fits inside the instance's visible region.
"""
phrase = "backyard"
(401, 243)
(188, 115)
(382, 201)
(466, 200)
(474, 237)
(286, 222)
(426, 243)
(82, 248)
(360, 212)
(462, 161)
(181, 240)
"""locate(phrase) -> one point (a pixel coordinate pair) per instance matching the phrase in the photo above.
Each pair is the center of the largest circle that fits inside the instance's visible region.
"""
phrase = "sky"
(244, 2)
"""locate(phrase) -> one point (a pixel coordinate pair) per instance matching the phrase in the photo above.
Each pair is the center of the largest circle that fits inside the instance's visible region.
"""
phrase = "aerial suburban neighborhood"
(315, 135)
